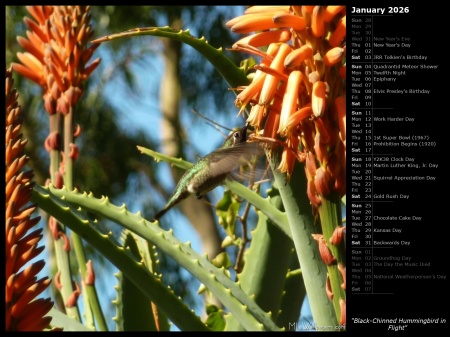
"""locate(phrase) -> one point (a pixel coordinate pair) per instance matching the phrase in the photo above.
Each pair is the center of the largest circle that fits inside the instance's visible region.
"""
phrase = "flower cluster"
(22, 286)
(56, 55)
(297, 94)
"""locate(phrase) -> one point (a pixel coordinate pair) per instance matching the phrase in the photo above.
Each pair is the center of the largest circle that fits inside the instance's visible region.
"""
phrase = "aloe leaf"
(171, 305)
(60, 320)
(136, 309)
(229, 293)
(149, 257)
(234, 75)
(266, 265)
(292, 300)
(301, 222)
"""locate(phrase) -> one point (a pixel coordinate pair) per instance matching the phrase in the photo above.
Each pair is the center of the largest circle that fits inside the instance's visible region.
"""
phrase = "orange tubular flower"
(251, 22)
(22, 312)
(256, 116)
(336, 239)
(324, 251)
(271, 82)
(323, 182)
(251, 92)
(318, 98)
(265, 38)
(334, 56)
(289, 20)
(330, 12)
(297, 117)
(308, 9)
(343, 318)
(339, 33)
(266, 9)
(297, 56)
(317, 22)
(290, 100)
(288, 157)
(272, 123)
(340, 103)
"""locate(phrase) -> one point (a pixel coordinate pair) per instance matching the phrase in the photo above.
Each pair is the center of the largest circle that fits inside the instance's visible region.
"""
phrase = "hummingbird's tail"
(175, 199)
(160, 214)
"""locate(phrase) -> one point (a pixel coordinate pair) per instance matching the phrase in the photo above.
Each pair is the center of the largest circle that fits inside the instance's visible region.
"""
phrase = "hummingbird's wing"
(225, 160)
(254, 171)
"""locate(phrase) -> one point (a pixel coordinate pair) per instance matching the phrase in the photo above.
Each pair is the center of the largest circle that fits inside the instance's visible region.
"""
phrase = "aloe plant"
(282, 262)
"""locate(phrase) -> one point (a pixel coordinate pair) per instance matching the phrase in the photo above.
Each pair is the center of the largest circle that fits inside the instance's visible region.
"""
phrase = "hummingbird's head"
(237, 136)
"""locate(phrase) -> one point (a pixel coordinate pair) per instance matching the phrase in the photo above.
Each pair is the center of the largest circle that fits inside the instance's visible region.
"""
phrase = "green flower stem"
(62, 256)
(301, 222)
(330, 218)
(92, 303)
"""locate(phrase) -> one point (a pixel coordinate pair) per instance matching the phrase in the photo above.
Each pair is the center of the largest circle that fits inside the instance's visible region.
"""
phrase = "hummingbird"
(212, 170)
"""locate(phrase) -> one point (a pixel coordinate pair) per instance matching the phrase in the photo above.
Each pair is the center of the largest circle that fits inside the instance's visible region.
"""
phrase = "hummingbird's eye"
(236, 135)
